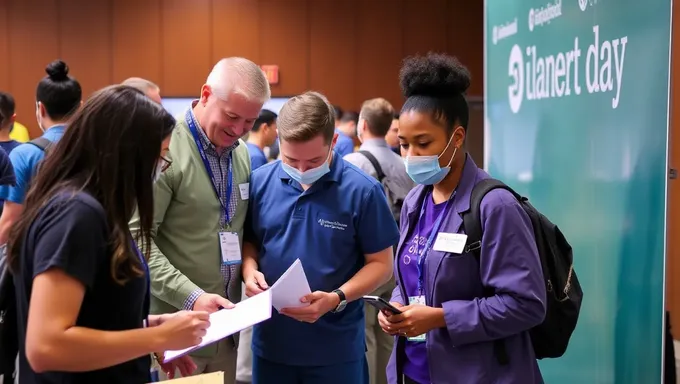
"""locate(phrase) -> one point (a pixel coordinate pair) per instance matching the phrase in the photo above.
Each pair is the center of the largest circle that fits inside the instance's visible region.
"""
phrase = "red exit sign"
(272, 73)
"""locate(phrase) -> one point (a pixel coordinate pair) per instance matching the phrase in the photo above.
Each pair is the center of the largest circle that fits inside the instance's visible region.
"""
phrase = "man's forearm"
(373, 275)
(249, 257)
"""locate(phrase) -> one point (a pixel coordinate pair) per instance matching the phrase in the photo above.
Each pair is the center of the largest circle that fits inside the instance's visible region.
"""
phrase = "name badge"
(230, 247)
(245, 191)
(450, 242)
(421, 301)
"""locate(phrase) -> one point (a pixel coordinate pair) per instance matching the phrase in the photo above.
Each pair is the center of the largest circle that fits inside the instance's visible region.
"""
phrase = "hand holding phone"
(381, 304)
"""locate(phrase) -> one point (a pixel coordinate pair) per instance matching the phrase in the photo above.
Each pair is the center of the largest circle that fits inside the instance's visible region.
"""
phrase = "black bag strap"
(375, 163)
(472, 222)
(41, 142)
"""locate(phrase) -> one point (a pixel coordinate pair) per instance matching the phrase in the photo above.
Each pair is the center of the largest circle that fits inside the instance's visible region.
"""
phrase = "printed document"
(227, 322)
(290, 288)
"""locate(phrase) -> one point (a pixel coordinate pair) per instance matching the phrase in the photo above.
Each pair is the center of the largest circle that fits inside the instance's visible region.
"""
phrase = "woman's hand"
(414, 320)
(185, 365)
(384, 319)
(183, 329)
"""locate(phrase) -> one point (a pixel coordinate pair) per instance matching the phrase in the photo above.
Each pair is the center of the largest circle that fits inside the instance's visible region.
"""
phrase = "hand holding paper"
(290, 288)
(226, 322)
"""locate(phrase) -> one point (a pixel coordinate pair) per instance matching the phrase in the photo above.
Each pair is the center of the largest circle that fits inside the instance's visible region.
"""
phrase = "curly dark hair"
(436, 84)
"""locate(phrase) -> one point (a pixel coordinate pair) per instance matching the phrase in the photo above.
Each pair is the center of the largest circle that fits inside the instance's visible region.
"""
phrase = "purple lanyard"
(435, 229)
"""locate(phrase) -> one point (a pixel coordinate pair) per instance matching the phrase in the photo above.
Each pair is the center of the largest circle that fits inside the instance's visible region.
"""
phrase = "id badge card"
(417, 300)
(230, 248)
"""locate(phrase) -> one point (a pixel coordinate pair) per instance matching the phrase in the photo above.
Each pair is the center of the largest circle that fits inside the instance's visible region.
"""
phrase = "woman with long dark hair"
(82, 287)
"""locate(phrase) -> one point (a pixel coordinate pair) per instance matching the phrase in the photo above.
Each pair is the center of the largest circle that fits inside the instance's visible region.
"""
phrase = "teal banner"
(576, 118)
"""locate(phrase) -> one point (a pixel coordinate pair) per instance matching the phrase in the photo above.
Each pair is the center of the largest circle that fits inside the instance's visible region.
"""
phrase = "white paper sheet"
(290, 288)
(226, 322)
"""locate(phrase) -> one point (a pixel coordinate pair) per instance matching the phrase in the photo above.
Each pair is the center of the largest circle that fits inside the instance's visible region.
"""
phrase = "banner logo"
(516, 72)
(503, 31)
(544, 14)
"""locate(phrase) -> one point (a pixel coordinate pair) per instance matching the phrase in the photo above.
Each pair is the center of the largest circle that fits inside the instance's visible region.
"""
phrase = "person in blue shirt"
(58, 97)
(261, 136)
(7, 116)
(344, 144)
(313, 206)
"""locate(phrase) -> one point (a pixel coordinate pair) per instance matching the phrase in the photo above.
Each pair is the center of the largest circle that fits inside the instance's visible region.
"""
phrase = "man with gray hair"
(201, 202)
(314, 206)
(150, 89)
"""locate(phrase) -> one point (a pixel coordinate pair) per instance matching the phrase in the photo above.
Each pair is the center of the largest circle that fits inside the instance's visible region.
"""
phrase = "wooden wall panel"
(350, 50)
(284, 41)
(137, 39)
(186, 57)
(379, 47)
(418, 39)
(34, 43)
(235, 29)
(4, 46)
(466, 39)
(88, 54)
(333, 40)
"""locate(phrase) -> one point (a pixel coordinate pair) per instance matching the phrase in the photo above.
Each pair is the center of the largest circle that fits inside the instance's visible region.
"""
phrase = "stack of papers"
(227, 322)
(290, 288)
(285, 293)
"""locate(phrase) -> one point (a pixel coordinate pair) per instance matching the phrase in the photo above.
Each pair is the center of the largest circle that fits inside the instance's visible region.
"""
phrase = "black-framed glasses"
(165, 163)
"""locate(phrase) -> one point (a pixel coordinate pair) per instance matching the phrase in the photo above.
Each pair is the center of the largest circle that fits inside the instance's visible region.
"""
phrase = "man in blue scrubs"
(314, 206)
(261, 136)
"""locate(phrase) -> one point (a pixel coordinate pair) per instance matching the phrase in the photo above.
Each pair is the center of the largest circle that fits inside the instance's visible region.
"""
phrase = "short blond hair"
(305, 117)
(378, 114)
(239, 75)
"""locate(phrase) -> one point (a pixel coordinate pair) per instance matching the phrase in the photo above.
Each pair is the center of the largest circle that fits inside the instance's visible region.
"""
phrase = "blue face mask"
(425, 170)
(309, 176)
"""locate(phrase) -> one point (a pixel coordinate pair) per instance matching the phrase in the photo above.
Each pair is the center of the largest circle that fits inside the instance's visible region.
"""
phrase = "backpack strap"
(472, 222)
(375, 163)
(42, 143)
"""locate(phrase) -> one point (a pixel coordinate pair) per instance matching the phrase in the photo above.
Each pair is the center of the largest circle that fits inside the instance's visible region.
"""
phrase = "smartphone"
(381, 304)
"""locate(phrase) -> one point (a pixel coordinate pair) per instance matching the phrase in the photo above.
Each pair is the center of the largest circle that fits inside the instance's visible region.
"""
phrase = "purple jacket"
(462, 353)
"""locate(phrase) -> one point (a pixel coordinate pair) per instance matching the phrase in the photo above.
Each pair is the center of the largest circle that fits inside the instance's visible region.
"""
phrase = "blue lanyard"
(435, 229)
(206, 164)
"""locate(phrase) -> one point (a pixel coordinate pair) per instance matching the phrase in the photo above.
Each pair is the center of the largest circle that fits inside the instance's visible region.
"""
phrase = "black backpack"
(550, 338)
(9, 332)
(395, 203)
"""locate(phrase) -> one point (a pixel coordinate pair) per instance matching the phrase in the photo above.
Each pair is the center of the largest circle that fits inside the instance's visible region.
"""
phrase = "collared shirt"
(330, 227)
(397, 181)
(25, 159)
(219, 165)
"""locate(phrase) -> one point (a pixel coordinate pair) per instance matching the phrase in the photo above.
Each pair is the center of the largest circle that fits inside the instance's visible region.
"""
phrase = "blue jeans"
(269, 372)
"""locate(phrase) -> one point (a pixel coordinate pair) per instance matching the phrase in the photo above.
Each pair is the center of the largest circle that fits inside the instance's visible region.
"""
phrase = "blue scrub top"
(345, 145)
(330, 228)
(25, 159)
(257, 157)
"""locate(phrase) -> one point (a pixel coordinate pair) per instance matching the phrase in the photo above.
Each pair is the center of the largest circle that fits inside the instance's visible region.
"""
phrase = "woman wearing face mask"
(447, 328)
(82, 288)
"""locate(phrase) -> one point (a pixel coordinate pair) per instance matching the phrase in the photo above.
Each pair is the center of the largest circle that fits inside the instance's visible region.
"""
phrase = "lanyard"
(206, 164)
(435, 229)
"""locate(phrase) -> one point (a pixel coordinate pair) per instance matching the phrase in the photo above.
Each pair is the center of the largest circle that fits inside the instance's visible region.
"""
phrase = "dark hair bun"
(435, 75)
(57, 70)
